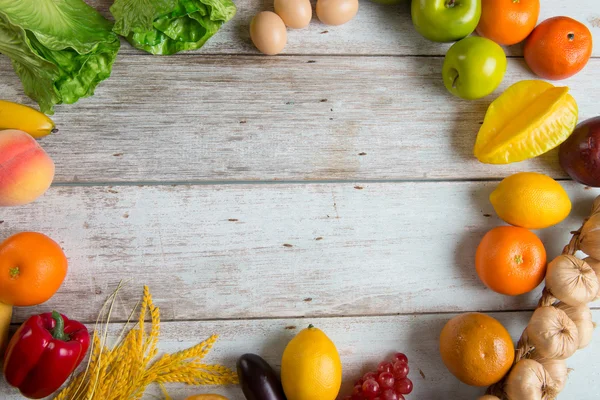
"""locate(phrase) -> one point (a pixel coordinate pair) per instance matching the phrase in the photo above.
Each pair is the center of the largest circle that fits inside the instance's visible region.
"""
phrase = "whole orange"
(476, 348)
(32, 268)
(558, 48)
(511, 260)
(508, 22)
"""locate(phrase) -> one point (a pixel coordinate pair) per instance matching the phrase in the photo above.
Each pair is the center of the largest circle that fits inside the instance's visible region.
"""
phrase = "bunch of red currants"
(389, 382)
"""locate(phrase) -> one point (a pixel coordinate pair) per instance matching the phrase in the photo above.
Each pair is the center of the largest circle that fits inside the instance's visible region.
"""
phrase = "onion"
(582, 317)
(528, 380)
(571, 280)
(552, 333)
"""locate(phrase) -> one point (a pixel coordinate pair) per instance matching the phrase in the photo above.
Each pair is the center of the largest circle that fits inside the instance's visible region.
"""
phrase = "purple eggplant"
(258, 380)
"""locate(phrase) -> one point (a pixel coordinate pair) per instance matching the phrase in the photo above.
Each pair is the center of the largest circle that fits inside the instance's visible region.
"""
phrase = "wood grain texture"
(362, 344)
(290, 118)
(376, 30)
(279, 250)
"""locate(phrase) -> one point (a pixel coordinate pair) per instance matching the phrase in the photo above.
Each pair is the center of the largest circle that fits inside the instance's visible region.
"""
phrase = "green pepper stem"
(59, 330)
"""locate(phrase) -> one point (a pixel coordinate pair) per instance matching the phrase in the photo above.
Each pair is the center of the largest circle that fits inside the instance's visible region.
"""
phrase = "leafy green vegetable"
(61, 49)
(169, 26)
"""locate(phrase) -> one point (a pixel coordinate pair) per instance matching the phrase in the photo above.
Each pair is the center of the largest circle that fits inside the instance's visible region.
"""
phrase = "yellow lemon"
(311, 368)
(528, 119)
(531, 200)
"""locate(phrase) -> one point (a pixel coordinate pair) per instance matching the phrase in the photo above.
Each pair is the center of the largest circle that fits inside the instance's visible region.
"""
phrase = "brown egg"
(295, 13)
(268, 32)
(336, 12)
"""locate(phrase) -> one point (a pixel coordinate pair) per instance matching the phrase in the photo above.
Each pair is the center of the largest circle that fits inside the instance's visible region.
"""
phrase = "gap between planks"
(317, 316)
(284, 182)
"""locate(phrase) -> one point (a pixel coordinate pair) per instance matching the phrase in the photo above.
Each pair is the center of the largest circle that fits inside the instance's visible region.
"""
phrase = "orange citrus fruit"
(511, 260)
(531, 200)
(558, 48)
(476, 349)
(508, 22)
(32, 268)
(310, 367)
(530, 118)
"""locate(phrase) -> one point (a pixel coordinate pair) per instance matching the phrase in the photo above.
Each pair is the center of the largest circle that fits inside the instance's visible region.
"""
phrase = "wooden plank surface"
(251, 118)
(279, 250)
(141, 194)
(362, 343)
(376, 30)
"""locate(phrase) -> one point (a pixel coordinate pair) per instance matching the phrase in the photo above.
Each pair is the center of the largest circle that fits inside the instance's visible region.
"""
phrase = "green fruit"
(445, 20)
(474, 67)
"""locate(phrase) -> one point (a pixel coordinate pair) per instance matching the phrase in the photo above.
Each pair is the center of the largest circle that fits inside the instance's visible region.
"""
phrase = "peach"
(26, 171)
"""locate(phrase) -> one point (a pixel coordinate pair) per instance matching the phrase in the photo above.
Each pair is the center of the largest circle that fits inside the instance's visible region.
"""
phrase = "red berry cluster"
(389, 382)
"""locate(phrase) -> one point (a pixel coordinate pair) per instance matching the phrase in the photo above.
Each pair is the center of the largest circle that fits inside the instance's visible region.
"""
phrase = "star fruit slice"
(530, 118)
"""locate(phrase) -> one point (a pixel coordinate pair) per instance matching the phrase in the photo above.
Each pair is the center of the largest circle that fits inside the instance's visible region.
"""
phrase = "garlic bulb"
(571, 280)
(552, 333)
(589, 239)
(595, 264)
(528, 380)
(582, 317)
(596, 206)
(557, 369)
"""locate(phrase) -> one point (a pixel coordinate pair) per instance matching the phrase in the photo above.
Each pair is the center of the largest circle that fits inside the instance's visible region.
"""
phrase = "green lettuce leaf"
(60, 49)
(169, 26)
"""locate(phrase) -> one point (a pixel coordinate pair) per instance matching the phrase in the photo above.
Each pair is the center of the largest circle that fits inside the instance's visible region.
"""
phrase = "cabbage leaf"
(166, 27)
(60, 49)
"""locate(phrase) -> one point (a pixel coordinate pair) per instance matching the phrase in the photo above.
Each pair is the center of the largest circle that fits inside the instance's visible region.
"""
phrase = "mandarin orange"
(558, 48)
(476, 348)
(508, 22)
(511, 260)
(32, 268)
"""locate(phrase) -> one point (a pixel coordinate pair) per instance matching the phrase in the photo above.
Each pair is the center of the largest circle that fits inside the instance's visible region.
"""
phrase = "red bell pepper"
(43, 353)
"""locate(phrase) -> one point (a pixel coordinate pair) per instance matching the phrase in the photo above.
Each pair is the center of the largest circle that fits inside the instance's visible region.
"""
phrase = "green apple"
(474, 67)
(445, 20)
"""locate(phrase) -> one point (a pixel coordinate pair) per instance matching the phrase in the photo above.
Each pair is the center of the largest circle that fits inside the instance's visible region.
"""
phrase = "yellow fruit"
(26, 119)
(206, 397)
(531, 200)
(528, 119)
(311, 368)
(5, 317)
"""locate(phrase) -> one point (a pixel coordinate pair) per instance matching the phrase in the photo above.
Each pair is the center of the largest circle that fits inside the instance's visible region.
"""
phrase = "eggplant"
(258, 380)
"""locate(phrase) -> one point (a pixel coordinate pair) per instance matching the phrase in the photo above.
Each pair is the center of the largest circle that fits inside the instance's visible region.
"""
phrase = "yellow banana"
(26, 119)
(5, 317)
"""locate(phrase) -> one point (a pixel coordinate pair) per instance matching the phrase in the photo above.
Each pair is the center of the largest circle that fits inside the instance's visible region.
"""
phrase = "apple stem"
(450, 3)
(454, 78)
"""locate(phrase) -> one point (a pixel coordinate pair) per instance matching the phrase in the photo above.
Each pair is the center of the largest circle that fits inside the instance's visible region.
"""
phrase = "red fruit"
(400, 370)
(370, 388)
(384, 367)
(389, 394)
(404, 386)
(400, 397)
(580, 154)
(357, 389)
(370, 375)
(401, 357)
(386, 380)
(357, 397)
(347, 398)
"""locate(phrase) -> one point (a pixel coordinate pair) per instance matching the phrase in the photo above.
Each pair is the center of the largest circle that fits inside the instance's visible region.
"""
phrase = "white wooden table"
(332, 185)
